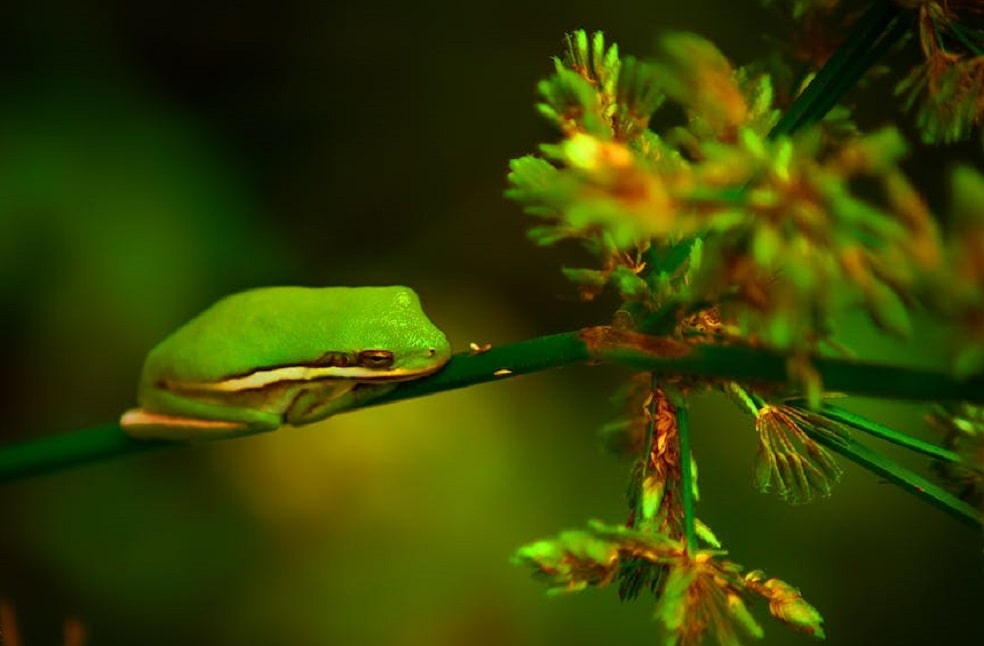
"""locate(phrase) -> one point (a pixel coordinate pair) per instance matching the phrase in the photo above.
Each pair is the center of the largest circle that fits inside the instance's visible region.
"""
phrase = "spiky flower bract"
(788, 460)
(697, 594)
(947, 90)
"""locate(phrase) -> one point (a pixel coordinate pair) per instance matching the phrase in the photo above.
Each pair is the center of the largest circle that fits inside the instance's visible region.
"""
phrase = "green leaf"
(628, 283)
(766, 245)
(593, 61)
(529, 174)
(571, 562)
(638, 96)
(759, 93)
(888, 311)
(968, 360)
(653, 489)
(882, 149)
(588, 277)
(699, 77)
(705, 534)
(739, 612)
(779, 330)
(671, 609)
(968, 198)
(789, 607)
(572, 103)
(688, 477)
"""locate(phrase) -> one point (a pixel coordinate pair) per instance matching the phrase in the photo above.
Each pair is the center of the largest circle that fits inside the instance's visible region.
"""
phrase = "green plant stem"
(872, 460)
(897, 26)
(755, 365)
(66, 450)
(888, 434)
(870, 37)
(900, 476)
(603, 344)
(686, 477)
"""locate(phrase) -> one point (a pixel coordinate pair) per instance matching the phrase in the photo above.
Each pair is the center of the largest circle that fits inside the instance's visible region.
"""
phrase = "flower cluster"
(716, 212)
(697, 594)
(947, 89)
(738, 227)
(962, 428)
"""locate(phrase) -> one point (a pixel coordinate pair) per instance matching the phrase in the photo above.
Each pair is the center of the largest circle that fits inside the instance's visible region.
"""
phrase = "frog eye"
(377, 359)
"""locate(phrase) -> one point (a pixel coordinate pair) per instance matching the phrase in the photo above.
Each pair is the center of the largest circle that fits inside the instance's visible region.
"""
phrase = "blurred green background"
(154, 158)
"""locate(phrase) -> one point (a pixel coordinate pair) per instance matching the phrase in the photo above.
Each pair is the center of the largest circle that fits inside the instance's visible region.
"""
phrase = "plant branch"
(748, 364)
(645, 353)
(65, 450)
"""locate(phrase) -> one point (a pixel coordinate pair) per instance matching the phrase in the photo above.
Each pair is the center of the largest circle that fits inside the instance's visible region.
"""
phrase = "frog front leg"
(320, 400)
(197, 420)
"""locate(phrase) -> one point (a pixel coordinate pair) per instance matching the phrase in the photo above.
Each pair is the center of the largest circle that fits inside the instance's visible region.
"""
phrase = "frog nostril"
(432, 352)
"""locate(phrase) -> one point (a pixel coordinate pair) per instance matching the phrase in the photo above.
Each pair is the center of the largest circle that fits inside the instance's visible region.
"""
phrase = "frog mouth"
(266, 378)
(361, 374)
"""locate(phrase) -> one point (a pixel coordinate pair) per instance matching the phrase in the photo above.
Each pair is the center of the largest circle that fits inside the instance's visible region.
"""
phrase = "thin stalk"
(889, 434)
(896, 28)
(660, 355)
(900, 476)
(64, 451)
(849, 61)
(868, 458)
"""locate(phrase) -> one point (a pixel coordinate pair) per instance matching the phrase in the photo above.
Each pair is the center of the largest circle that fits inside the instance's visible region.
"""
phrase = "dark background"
(153, 159)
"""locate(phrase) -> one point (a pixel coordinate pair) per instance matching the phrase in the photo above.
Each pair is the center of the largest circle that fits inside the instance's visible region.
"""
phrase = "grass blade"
(900, 476)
